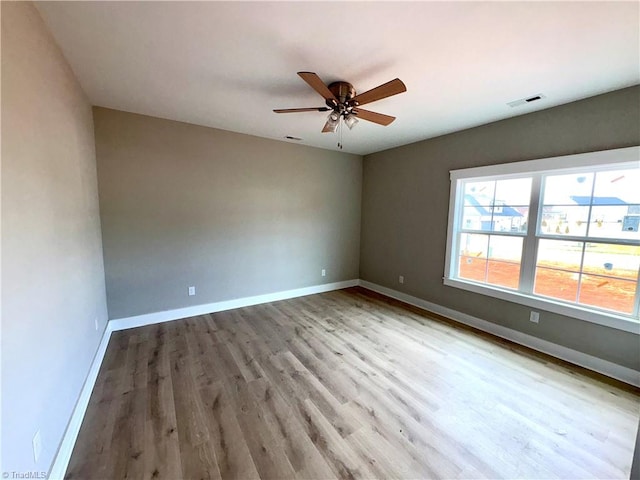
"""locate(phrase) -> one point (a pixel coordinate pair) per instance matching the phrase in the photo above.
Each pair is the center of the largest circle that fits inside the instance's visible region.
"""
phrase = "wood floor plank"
(231, 449)
(385, 459)
(341, 457)
(128, 439)
(268, 456)
(201, 341)
(162, 448)
(247, 364)
(345, 384)
(287, 430)
(196, 451)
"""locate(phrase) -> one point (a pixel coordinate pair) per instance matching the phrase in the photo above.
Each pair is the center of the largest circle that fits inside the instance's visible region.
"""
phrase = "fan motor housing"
(343, 91)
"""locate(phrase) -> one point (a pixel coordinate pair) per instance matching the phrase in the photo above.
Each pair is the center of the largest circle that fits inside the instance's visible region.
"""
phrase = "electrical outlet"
(534, 317)
(401, 279)
(37, 446)
(324, 272)
(192, 291)
(95, 321)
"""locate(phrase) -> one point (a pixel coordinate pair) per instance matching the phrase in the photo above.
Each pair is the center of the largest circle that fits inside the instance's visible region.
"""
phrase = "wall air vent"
(524, 101)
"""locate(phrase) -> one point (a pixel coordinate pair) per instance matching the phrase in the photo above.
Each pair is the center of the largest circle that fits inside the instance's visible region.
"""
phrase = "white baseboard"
(61, 461)
(581, 359)
(178, 313)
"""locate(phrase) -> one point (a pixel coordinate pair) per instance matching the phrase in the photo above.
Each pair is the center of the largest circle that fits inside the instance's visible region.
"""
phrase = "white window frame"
(608, 159)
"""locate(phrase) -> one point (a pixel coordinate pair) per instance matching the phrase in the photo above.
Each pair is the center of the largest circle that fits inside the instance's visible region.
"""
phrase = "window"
(560, 234)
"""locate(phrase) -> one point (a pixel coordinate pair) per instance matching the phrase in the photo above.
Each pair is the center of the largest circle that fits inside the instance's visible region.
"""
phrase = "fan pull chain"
(340, 133)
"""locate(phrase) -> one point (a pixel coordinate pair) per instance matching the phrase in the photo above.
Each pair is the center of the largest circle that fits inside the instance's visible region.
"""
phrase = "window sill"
(611, 320)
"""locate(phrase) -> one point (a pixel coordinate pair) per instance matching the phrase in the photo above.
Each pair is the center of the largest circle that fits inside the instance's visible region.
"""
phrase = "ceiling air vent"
(524, 101)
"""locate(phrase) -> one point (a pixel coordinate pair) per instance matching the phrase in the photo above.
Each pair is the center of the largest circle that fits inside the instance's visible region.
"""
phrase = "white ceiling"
(229, 64)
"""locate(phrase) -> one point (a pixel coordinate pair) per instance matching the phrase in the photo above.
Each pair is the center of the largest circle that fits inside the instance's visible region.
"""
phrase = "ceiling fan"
(342, 101)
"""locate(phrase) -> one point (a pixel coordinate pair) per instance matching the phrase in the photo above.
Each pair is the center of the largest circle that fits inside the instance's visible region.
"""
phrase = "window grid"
(531, 238)
(530, 247)
(584, 240)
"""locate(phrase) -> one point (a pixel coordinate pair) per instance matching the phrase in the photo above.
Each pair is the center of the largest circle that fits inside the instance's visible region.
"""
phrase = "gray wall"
(405, 206)
(52, 272)
(635, 465)
(231, 214)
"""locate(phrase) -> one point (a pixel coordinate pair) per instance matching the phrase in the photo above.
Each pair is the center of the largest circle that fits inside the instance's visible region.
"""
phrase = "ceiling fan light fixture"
(330, 127)
(333, 120)
(350, 120)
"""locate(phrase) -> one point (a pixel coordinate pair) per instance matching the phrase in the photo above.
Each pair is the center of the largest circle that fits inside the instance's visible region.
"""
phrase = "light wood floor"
(347, 385)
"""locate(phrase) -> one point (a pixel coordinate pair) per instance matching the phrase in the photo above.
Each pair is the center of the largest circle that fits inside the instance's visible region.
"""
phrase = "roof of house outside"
(506, 211)
(580, 200)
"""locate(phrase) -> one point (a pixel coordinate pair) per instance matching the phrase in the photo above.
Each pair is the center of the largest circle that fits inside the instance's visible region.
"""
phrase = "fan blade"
(295, 110)
(373, 116)
(318, 85)
(383, 91)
